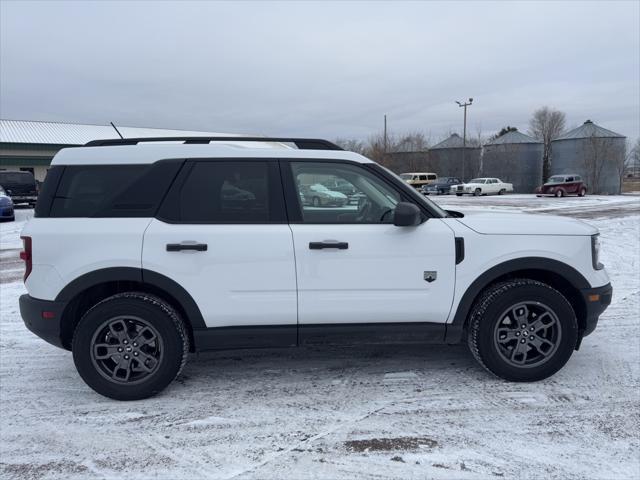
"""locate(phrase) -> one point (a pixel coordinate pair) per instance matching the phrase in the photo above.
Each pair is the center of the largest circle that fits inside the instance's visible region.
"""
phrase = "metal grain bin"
(595, 153)
(446, 158)
(514, 158)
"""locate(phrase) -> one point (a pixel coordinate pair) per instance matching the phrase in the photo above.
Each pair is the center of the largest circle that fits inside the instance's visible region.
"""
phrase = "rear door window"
(227, 192)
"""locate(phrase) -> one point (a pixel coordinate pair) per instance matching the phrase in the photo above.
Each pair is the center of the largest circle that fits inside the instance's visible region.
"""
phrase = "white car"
(318, 195)
(482, 186)
(138, 255)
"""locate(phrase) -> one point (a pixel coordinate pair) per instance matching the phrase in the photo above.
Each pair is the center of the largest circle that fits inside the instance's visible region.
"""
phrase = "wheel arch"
(90, 288)
(564, 278)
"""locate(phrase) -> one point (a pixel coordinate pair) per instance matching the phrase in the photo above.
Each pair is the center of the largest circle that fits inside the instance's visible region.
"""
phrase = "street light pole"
(464, 132)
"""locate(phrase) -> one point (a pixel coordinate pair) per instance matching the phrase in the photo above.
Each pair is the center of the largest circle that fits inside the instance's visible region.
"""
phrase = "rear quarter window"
(108, 190)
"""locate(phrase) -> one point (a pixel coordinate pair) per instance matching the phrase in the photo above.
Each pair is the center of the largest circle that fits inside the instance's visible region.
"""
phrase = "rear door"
(354, 266)
(222, 235)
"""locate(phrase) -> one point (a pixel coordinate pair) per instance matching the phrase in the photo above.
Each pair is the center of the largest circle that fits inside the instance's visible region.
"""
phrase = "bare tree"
(601, 156)
(546, 125)
(351, 144)
(632, 164)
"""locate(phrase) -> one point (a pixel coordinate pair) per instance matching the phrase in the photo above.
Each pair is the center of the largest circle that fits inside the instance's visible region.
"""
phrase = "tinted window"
(7, 178)
(230, 192)
(432, 177)
(106, 190)
(372, 200)
(423, 177)
(569, 179)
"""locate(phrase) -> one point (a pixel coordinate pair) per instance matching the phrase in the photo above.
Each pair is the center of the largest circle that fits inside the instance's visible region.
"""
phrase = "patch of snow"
(281, 413)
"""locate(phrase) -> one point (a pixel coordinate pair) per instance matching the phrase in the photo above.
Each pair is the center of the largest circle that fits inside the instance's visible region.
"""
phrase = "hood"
(525, 224)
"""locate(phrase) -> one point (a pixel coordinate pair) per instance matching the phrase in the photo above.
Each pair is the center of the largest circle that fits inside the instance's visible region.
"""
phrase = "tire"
(119, 320)
(559, 193)
(477, 192)
(501, 192)
(458, 194)
(487, 326)
(582, 192)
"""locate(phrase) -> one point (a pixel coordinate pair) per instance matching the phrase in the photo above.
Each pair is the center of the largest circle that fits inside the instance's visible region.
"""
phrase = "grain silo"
(446, 158)
(595, 153)
(514, 158)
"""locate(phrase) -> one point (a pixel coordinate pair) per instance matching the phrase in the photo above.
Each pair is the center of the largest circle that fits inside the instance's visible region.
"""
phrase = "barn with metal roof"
(30, 145)
(595, 153)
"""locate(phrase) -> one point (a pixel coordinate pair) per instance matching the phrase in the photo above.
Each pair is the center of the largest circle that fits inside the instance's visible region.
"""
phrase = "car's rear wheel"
(559, 193)
(130, 346)
(502, 192)
(522, 330)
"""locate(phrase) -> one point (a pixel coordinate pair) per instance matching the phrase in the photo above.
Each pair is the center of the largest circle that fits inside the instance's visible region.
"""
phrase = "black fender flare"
(140, 275)
(456, 327)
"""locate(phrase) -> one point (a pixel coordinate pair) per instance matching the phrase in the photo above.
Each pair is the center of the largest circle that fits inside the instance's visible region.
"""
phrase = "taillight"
(25, 255)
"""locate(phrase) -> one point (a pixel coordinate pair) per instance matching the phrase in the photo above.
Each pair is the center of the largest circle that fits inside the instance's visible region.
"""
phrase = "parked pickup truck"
(483, 186)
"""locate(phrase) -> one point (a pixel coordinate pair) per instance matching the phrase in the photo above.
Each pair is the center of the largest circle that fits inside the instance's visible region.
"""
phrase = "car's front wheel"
(477, 192)
(522, 330)
(130, 346)
(559, 193)
(582, 192)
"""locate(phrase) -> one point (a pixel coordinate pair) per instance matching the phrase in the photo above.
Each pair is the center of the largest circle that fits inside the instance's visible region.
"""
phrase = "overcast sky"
(320, 69)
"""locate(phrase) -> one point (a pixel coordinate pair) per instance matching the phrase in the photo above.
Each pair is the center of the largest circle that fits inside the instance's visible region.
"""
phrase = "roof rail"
(301, 143)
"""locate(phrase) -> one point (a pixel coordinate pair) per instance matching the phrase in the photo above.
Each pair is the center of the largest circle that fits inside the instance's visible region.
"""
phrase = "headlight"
(595, 252)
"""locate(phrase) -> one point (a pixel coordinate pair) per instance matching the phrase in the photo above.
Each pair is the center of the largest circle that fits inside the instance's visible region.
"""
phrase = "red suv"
(563, 185)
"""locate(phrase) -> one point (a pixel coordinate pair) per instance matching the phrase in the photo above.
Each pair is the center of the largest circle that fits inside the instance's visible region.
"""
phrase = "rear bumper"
(597, 300)
(24, 198)
(49, 329)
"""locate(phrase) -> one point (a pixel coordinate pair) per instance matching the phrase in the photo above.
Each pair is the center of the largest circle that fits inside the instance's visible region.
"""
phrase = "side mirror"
(406, 215)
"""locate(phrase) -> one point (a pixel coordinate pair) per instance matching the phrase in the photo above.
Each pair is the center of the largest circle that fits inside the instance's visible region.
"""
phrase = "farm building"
(515, 158)
(30, 146)
(595, 153)
(451, 158)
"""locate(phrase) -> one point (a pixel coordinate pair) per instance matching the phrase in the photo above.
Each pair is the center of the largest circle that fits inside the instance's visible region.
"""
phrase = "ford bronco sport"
(142, 251)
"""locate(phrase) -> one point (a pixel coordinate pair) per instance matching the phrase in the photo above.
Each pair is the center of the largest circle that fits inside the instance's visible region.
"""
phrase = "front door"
(354, 266)
(222, 235)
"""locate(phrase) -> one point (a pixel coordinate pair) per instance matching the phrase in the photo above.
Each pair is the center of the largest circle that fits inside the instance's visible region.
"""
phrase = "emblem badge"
(430, 276)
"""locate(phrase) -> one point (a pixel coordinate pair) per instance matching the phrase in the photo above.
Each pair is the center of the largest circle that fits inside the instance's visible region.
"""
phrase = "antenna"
(117, 131)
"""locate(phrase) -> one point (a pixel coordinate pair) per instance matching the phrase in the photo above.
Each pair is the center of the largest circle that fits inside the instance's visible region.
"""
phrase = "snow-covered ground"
(383, 412)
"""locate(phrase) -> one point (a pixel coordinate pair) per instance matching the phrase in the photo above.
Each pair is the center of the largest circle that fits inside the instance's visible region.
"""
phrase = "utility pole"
(464, 132)
(385, 133)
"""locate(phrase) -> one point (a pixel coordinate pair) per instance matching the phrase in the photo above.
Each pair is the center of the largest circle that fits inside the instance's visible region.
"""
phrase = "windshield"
(2, 192)
(556, 179)
(476, 180)
(406, 176)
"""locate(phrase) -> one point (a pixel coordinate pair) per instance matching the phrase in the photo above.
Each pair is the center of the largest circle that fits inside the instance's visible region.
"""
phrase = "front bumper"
(6, 212)
(596, 300)
(32, 312)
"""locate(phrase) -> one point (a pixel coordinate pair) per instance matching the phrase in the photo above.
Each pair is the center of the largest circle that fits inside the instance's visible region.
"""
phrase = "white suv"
(142, 251)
